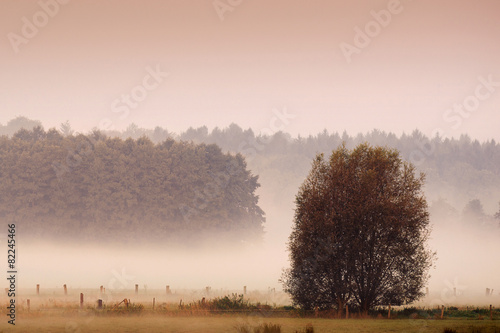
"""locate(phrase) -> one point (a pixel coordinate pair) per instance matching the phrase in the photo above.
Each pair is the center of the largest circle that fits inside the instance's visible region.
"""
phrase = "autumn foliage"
(98, 187)
(360, 231)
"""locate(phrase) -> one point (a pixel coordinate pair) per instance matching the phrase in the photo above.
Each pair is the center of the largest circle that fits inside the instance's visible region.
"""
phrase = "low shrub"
(233, 302)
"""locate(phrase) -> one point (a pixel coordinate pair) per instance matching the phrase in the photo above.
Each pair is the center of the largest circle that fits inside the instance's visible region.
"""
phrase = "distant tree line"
(432, 153)
(472, 213)
(437, 153)
(17, 123)
(97, 187)
(457, 170)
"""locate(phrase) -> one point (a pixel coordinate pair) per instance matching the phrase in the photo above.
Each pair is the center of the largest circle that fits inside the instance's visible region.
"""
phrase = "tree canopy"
(360, 231)
(97, 187)
(457, 169)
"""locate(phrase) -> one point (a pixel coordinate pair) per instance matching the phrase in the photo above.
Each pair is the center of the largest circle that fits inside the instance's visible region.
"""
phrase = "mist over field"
(81, 266)
(465, 232)
(466, 261)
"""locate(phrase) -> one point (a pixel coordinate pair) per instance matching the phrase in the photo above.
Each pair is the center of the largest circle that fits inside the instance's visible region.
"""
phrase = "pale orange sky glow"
(238, 63)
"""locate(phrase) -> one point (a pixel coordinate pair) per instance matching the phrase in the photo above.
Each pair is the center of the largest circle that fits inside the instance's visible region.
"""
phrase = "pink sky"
(263, 55)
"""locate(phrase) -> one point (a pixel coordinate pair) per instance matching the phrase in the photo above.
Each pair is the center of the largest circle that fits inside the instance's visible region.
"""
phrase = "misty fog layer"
(466, 262)
(80, 266)
(462, 175)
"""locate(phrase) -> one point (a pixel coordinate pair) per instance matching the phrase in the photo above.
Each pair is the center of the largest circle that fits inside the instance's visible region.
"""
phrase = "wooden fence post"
(65, 290)
(346, 311)
(491, 313)
(389, 314)
(81, 300)
(101, 289)
(99, 303)
(136, 289)
(442, 311)
(168, 290)
(38, 289)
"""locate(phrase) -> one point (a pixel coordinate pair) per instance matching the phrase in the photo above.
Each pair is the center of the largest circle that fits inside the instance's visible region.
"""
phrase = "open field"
(53, 311)
(83, 322)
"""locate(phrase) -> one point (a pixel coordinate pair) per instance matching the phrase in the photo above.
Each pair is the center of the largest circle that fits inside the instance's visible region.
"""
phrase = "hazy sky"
(237, 60)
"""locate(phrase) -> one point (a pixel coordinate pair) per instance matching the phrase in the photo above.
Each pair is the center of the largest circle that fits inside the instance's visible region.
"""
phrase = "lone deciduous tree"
(360, 231)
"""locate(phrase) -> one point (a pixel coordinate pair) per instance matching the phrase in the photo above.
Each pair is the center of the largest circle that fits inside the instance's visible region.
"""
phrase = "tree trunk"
(364, 308)
(341, 304)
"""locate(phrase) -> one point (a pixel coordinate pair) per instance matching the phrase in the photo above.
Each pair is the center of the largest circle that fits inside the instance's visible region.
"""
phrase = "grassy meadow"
(196, 311)
(62, 322)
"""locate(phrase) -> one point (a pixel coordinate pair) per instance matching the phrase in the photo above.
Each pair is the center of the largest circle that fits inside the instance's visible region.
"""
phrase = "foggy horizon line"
(259, 132)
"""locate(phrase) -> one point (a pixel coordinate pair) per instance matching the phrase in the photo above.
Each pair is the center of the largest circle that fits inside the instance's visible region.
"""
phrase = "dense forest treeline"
(462, 175)
(458, 171)
(96, 187)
